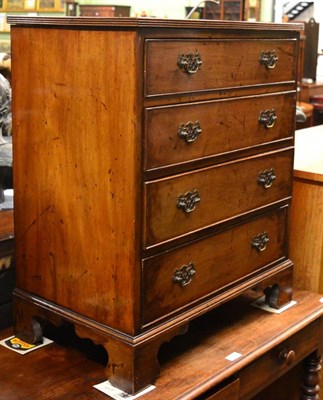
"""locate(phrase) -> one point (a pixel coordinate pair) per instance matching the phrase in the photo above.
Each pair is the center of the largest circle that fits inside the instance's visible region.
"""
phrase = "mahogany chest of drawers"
(152, 175)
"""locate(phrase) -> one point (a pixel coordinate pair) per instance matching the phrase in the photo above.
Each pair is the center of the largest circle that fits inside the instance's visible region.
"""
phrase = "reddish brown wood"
(79, 174)
(230, 391)
(163, 77)
(6, 224)
(288, 386)
(311, 380)
(307, 210)
(270, 367)
(54, 372)
(157, 23)
(278, 290)
(88, 220)
(225, 191)
(218, 260)
(191, 365)
(166, 147)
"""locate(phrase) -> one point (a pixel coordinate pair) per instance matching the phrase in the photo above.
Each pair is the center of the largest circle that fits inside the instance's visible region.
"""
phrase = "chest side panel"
(75, 169)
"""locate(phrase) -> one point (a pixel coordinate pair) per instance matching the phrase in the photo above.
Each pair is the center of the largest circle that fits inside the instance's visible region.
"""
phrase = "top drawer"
(185, 66)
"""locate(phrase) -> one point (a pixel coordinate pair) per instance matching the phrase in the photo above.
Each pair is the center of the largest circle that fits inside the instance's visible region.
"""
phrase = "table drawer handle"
(188, 201)
(266, 178)
(268, 118)
(184, 275)
(259, 242)
(190, 62)
(287, 355)
(268, 59)
(189, 131)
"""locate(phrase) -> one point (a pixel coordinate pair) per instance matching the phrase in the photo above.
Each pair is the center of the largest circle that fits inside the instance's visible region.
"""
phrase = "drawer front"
(175, 134)
(178, 205)
(272, 365)
(186, 66)
(229, 392)
(182, 276)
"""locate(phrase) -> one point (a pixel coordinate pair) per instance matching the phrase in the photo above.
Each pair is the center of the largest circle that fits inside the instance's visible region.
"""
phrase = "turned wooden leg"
(311, 378)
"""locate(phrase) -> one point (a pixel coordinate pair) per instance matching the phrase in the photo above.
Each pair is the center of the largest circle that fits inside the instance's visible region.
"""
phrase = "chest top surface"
(135, 23)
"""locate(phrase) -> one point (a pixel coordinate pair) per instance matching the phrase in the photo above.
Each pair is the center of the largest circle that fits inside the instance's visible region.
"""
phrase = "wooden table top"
(308, 161)
(62, 371)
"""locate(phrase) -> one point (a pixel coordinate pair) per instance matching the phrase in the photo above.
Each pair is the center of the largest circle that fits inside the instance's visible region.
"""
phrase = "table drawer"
(177, 278)
(230, 391)
(188, 202)
(273, 364)
(186, 66)
(176, 134)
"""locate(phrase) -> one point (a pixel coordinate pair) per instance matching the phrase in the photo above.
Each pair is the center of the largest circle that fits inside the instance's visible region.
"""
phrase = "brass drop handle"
(190, 131)
(187, 202)
(184, 275)
(259, 242)
(189, 62)
(287, 355)
(267, 118)
(268, 59)
(266, 178)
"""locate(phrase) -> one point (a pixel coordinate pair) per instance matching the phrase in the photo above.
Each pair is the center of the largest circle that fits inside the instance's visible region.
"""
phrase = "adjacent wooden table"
(306, 224)
(310, 89)
(274, 350)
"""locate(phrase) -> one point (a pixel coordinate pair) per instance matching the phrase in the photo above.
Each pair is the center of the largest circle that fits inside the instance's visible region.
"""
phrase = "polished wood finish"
(224, 191)
(311, 48)
(272, 365)
(96, 179)
(94, 227)
(306, 228)
(165, 146)
(6, 224)
(193, 365)
(311, 387)
(161, 296)
(307, 90)
(156, 23)
(163, 78)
